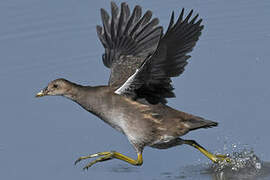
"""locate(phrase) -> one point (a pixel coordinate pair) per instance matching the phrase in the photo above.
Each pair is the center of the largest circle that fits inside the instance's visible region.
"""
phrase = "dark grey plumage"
(169, 59)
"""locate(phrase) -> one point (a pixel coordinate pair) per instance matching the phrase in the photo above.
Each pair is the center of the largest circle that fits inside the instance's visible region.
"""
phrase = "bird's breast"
(116, 120)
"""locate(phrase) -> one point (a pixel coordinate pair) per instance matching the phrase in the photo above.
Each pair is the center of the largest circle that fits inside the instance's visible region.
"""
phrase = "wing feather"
(128, 38)
(152, 80)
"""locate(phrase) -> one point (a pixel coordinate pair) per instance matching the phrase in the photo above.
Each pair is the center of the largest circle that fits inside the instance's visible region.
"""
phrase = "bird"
(142, 59)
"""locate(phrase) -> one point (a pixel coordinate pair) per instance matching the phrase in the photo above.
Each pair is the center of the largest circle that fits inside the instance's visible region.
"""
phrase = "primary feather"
(127, 39)
(133, 41)
(153, 79)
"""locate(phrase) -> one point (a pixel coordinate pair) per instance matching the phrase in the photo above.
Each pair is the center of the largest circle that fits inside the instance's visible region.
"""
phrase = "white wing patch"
(127, 85)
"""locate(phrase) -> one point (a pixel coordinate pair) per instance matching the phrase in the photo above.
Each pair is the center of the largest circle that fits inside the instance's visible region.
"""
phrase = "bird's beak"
(42, 93)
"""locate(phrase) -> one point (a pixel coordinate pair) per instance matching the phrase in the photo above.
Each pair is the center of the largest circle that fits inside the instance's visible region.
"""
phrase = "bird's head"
(58, 87)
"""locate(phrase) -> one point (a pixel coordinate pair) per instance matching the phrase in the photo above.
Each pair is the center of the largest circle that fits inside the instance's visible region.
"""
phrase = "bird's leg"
(215, 158)
(104, 156)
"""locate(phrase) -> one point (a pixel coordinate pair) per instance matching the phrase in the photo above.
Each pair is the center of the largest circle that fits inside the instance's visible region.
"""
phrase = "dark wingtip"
(113, 4)
(188, 16)
(199, 22)
(104, 15)
(114, 8)
(102, 10)
(123, 4)
(171, 21)
(194, 19)
(99, 30)
(181, 14)
(148, 15)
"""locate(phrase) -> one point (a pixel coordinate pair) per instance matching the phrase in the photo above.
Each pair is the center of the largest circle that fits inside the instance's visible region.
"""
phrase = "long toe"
(82, 158)
(91, 156)
(100, 159)
(222, 158)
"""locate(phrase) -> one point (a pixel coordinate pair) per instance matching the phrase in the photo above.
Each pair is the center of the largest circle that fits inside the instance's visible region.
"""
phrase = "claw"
(100, 159)
(88, 166)
(104, 157)
(78, 160)
(85, 168)
(88, 157)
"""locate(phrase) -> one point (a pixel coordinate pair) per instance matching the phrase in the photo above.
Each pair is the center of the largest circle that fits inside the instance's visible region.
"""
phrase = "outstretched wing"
(152, 80)
(127, 39)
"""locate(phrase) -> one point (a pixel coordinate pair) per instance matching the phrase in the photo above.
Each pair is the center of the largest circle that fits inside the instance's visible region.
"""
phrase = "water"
(226, 80)
(244, 164)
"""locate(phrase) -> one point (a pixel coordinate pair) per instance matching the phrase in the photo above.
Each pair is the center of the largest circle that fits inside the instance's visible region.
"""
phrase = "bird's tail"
(198, 122)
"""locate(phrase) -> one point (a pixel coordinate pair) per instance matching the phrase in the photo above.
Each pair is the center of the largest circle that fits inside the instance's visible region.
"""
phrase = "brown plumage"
(142, 61)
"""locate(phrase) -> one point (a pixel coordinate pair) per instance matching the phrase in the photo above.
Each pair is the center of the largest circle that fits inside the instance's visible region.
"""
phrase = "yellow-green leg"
(215, 158)
(104, 156)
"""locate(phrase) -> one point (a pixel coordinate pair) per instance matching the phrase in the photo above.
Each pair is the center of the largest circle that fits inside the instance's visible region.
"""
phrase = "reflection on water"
(1, 147)
(244, 165)
(123, 168)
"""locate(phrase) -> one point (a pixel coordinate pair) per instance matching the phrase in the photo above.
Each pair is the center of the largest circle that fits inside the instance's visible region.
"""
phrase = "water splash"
(244, 164)
(240, 160)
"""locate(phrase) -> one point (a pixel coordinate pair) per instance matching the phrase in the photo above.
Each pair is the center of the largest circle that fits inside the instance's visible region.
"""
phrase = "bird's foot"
(221, 158)
(102, 156)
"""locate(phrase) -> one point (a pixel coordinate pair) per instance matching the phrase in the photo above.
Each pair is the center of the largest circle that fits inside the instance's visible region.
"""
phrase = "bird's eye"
(55, 86)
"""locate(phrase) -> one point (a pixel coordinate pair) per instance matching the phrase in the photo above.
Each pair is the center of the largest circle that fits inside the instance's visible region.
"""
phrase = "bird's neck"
(90, 98)
(74, 92)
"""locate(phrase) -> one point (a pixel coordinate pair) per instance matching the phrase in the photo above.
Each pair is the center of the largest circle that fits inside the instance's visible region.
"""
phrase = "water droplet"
(258, 165)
